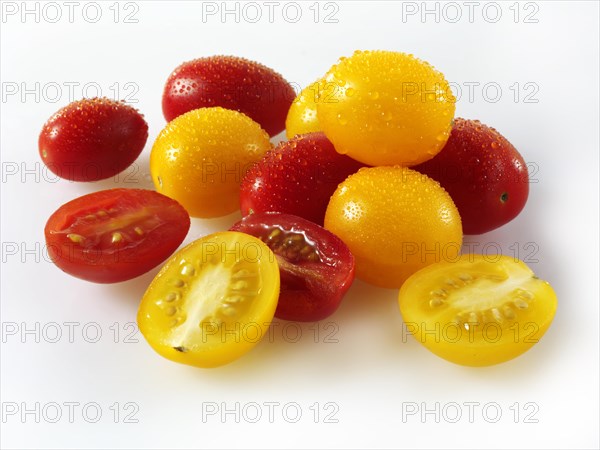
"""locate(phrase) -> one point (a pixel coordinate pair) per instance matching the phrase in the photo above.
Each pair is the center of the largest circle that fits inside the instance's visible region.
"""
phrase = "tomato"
(483, 173)
(233, 83)
(115, 235)
(316, 267)
(479, 310)
(386, 108)
(92, 139)
(298, 177)
(302, 115)
(200, 158)
(212, 301)
(395, 221)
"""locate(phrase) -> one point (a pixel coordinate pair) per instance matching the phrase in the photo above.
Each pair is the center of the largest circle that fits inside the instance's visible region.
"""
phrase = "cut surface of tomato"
(478, 311)
(116, 234)
(316, 267)
(212, 301)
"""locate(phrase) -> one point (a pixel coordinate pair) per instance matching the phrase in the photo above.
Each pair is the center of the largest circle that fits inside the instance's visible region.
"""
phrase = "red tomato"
(92, 139)
(483, 173)
(115, 235)
(298, 177)
(232, 83)
(316, 267)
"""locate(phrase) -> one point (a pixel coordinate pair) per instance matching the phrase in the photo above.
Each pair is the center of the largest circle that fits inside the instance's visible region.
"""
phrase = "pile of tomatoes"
(377, 178)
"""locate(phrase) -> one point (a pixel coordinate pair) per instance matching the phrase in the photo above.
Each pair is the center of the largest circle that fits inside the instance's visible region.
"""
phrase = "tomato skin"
(298, 177)
(232, 83)
(385, 108)
(395, 221)
(212, 301)
(201, 157)
(312, 286)
(92, 139)
(81, 240)
(484, 174)
(479, 310)
(302, 115)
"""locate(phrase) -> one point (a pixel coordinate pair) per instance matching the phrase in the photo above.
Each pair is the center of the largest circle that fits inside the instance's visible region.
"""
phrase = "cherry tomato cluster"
(377, 178)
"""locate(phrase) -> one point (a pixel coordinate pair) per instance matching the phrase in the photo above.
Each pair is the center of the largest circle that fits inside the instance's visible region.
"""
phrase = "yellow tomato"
(386, 108)
(477, 311)
(395, 221)
(212, 301)
(201, 157)
(302, 116)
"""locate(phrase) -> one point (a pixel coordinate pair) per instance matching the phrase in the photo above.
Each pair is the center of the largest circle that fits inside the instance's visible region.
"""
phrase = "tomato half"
(115, 235)
(478, 311)
(212, 301)
(316, 267)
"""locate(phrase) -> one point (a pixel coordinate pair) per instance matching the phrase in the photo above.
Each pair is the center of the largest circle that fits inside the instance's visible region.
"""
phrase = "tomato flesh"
(478, 311)
(316, 267)
(115, 235)
(212, 301)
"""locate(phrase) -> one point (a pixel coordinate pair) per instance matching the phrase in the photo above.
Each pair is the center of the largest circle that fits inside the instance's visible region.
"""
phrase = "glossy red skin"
(310, 290)
(298, 177)
(477, 166)
(233, 83)
(92, 139)
(104, 262)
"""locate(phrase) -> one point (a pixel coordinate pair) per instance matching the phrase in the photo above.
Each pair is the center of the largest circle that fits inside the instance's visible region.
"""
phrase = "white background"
(372, 372)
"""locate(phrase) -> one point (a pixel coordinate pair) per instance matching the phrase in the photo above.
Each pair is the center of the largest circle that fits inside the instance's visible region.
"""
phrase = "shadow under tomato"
(136, 176)
(128, 294)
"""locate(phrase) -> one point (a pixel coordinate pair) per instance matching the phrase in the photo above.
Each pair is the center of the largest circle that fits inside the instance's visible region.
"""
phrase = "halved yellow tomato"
(212, 301)
(478, 311)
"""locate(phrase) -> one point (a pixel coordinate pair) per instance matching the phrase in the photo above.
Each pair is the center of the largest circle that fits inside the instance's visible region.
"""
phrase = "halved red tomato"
(315, 266)
(115, 235)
